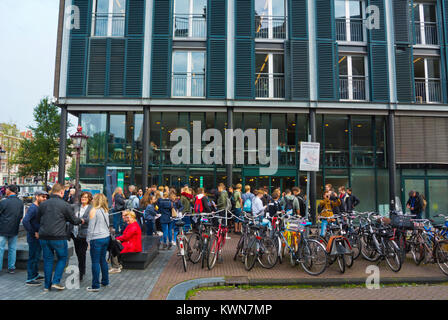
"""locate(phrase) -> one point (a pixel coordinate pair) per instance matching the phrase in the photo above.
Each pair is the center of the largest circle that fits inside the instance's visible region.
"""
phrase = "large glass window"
(190, 18)
(108, 18)
(425, 19)
(188, 74)
(270, 22)
(427, 80)
(120, 138)
(362, 142)
(138, 138)
(349, 16)
(352, 78)
(94, 126)
(155, 138)
(269, 76)
(336, 141)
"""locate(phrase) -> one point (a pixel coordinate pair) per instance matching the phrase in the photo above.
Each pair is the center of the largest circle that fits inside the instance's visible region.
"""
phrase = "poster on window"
(309, 156)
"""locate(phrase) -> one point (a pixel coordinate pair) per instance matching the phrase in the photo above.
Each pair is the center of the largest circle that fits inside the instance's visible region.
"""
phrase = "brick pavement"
(421, 292)
(174, 274)
(127, 285)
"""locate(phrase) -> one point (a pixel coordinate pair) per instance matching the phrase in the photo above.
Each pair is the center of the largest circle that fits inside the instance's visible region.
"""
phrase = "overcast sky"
(27, 57)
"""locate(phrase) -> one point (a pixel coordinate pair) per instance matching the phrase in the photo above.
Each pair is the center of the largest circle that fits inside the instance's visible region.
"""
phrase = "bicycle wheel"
(188, 251)
(239, 248)
(184, 262)
(355, 243)
(195, 247)
(251, 255)
(392, 255)
(441, 255)
(268, 256)
(368, 250)
(212, 254)
(341, 262)
(402, 245)
(313, 257)
(205, 251)
(278, 243)
(348, 258)
(418, 250)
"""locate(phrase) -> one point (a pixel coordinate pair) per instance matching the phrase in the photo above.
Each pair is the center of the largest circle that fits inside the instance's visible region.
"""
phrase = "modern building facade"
(366, 79)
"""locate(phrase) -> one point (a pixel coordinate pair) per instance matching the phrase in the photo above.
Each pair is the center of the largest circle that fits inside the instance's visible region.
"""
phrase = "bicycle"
(183, 245)
(199, 240)
(261, 248)
(217, 243)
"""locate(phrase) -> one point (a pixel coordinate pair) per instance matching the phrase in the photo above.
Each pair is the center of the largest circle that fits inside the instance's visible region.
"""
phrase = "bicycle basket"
(401, 221)
(294, 227)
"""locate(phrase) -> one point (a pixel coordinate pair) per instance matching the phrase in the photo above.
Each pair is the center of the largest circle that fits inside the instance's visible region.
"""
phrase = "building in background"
(376, 99)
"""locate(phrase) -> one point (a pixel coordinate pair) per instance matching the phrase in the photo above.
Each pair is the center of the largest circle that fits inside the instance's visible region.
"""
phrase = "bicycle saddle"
(180, 223)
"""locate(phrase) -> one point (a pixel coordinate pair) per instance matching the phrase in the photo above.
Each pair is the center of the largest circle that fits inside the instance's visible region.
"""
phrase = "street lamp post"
(78, 138)
(2, 152)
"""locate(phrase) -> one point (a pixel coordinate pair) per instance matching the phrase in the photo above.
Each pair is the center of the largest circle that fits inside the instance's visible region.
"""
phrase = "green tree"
(71, 171)
(38, 155)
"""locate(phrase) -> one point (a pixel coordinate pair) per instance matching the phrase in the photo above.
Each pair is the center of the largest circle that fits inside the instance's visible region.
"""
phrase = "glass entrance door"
(117, 177)
(437, 199)
(415, 184)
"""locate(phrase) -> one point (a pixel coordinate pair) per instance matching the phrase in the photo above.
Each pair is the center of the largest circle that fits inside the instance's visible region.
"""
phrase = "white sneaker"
(114, 270)
(159, 233)
(174, 243)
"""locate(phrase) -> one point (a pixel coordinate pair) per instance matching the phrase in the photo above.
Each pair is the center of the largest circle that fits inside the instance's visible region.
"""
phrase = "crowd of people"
(57, 217)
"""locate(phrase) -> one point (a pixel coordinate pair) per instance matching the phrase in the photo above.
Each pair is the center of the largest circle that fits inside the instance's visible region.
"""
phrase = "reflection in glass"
(94, 126)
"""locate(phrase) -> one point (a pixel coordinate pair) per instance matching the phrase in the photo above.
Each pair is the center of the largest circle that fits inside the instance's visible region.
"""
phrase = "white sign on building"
(309, 156)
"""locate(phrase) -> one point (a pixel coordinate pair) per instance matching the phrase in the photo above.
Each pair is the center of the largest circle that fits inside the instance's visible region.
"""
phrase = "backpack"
(289, 204)
(229, 204)
(198, 207)
(302, 205)
(247, 207)
(129, 204)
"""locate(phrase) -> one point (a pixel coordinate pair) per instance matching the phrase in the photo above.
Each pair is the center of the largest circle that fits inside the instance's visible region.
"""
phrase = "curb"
(179, 291)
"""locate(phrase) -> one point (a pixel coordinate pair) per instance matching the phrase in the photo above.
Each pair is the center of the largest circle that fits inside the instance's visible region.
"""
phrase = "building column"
(229, 167)
(145, 158)
(312, 182)
(62, 144)
(391, 158)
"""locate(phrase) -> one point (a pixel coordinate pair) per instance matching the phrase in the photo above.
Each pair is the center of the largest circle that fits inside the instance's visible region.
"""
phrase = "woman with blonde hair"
(132, 235)
(98, 235)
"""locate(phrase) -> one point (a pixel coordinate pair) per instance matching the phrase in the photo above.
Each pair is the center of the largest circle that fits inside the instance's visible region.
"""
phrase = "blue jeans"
(35, 252)
(12, 247)
(187, 225)
(150, 227)
(167, 232)
(118, 223)
(49, 248)
(98, 250)
(323, 227)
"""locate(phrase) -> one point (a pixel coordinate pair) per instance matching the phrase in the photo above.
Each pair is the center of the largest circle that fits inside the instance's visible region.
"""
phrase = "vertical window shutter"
(288, 74)
(217, 18)
(379, 72)
(299, 65)
(135, 17)
(244, 50)
(402, 20)
(216, 66)
(298, 19)
(442, 29)
(378, 34)
(244, 19)
(97, 67)
(85, 14)
(327, 67)
(161, 49)
(404, 74)
(117, 67)
(160, 68)
(244, 69)
(76, 70)
(134, 67)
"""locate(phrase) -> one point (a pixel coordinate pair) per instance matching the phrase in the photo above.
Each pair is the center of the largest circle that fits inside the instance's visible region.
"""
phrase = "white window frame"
(270, 22)
(189, 73)
(348, 34)
(109, 19)
(190, 21)
(427, 79)
(422, 22)
(270, 74)
(350, 78)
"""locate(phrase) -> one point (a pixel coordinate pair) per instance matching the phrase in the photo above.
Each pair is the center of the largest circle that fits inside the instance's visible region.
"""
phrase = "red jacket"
(131, 238)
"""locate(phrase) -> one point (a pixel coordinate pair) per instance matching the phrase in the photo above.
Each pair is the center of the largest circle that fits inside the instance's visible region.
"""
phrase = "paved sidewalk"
(234, 272)
(127, 285)
(421, 292)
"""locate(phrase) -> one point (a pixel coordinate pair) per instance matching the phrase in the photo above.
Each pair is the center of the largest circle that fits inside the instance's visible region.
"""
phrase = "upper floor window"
(108, 18)
(425, 20)
(427, 80)
(188, 74)
(350, 20)
(269, 77)
(352, 78)
(270, 21)
(190, 19)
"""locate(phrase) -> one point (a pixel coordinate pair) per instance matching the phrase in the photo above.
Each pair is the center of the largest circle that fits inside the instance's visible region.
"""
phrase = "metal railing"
(270, 85)
(188, 84)
(427, 90)
(109, 25)
(352, 88)
(350, 30)
(426, 33)
(190, 26)
(270, 27)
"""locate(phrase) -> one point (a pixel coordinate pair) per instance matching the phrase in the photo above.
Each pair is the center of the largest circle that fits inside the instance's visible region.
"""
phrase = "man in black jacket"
(351, 201)
(11, 212)
(52, 217)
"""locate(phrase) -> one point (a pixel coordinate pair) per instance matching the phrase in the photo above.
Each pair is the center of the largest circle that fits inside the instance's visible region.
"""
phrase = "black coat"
(11, 212)
(53, 216)
(119, 203)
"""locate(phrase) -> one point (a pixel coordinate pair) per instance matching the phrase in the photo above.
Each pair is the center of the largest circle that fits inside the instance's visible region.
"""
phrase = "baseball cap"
(40, 193)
